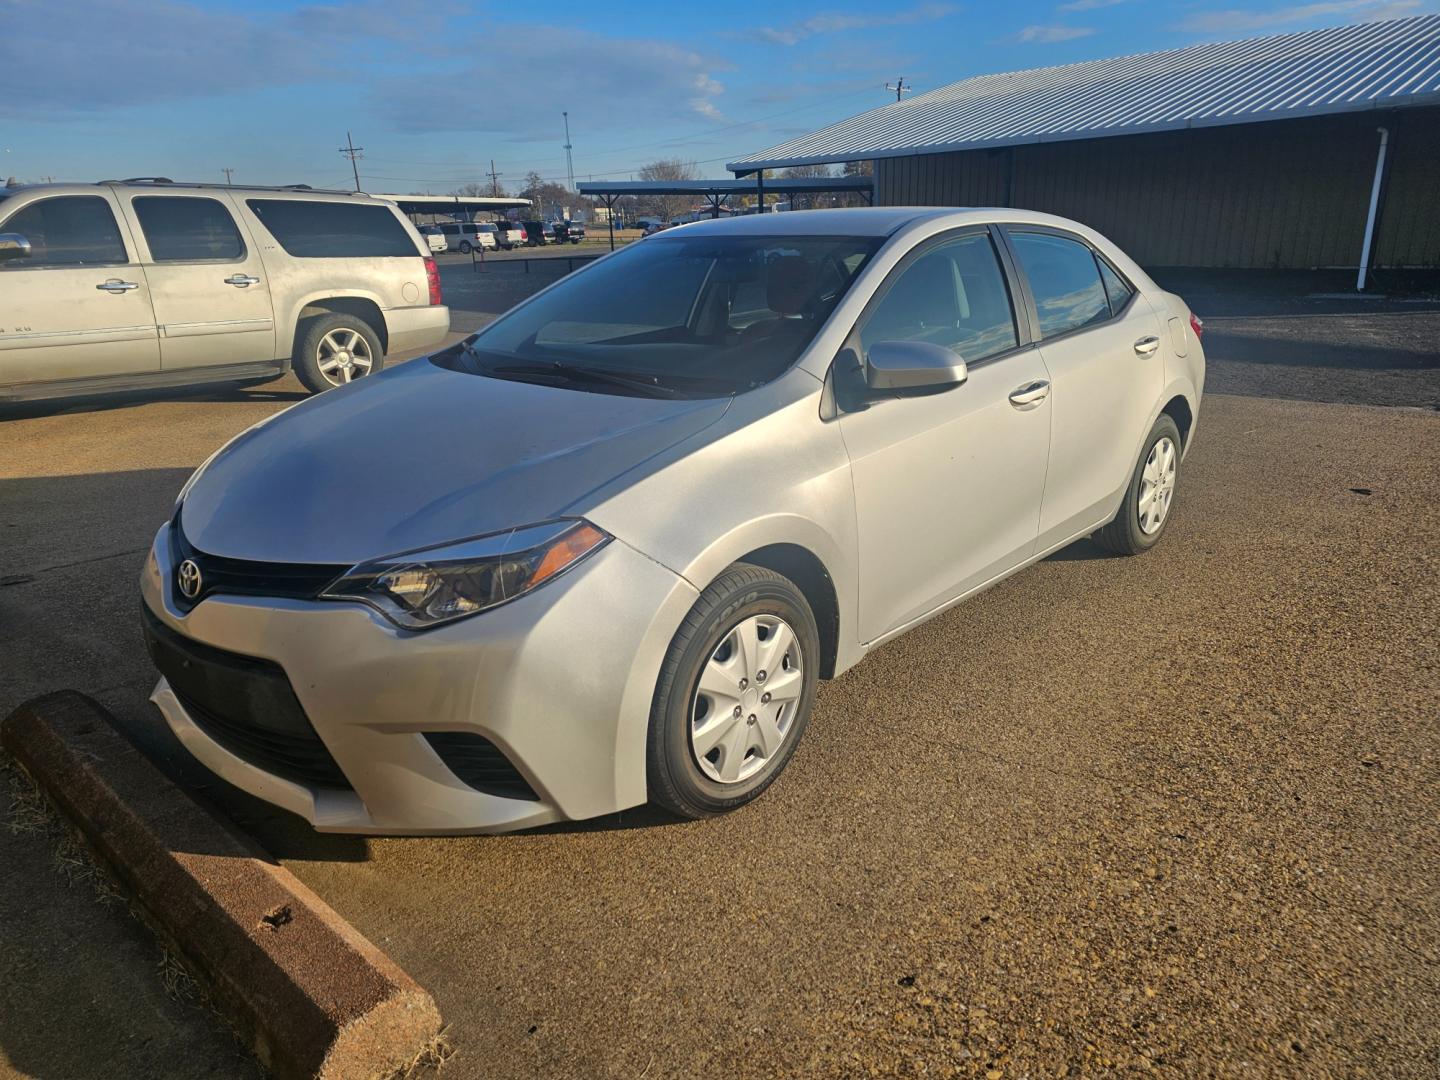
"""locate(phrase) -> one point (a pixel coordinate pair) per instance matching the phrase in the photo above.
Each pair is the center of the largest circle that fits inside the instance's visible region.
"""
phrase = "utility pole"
(899, 87)
(494, 180)
(227, 173)
(569, 163)
(352, 151)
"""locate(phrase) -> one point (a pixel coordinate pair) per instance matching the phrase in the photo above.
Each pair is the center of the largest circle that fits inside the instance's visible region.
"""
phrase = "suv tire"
(332, 350)
(695, 769)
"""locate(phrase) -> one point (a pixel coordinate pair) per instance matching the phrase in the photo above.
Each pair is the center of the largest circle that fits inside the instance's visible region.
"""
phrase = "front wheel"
(336, 349)
(465, 247)
(1149, 498)
(735, 694)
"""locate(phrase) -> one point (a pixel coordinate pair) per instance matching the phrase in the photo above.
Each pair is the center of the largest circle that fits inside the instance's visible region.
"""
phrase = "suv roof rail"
(241, 187)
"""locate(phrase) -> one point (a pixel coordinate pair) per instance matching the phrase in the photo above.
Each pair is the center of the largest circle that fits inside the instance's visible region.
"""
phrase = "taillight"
(432, 277)
(1198, 325)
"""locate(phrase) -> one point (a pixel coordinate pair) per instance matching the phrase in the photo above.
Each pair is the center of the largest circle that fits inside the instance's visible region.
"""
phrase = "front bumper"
(561, 681)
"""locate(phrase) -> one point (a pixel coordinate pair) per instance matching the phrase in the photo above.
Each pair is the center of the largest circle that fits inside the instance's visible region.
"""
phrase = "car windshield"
(700, 316)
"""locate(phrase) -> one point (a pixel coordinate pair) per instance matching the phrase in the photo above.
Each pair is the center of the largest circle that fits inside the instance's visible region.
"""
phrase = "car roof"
(863, 220)
(159, 186)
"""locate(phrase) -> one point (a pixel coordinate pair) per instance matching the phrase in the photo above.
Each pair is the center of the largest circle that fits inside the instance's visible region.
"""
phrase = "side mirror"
(913, 367)
(13, 246)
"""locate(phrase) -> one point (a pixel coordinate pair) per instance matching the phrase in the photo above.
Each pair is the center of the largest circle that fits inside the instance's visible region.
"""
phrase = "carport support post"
(610, 216)
(1374, 207)
(760, 190)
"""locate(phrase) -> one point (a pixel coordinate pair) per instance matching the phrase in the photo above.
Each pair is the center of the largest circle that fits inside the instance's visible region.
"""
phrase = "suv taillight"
(432, 277)
(1197, 324)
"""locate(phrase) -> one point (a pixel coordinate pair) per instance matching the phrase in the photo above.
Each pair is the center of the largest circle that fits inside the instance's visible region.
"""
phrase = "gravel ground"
(1176, 813)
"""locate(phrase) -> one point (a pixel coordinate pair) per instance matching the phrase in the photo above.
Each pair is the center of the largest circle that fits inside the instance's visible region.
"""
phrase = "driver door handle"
(1147, 345)
(1030, 395)
(240, 281)
(115, 285)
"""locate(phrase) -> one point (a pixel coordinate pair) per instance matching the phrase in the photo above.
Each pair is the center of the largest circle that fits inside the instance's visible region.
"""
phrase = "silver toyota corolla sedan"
(601, 552)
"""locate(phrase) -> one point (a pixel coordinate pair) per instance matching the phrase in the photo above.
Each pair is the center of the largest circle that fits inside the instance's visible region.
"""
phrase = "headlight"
(421, 589)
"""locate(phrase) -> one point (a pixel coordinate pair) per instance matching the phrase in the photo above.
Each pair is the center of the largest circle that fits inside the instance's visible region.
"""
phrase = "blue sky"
(434, 90)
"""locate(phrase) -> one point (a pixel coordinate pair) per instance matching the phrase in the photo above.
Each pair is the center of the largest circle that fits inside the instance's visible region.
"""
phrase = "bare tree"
(667, 207)
(473, 190)
(808, 200)
(548, 199)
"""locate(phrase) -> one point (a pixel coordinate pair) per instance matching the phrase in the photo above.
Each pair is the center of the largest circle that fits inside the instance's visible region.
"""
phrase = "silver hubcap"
(1157, 486)
(344, 355)
(745, 705)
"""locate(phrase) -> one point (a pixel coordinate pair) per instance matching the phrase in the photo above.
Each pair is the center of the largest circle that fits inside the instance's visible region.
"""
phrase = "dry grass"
(429, 1060)
(29, 812)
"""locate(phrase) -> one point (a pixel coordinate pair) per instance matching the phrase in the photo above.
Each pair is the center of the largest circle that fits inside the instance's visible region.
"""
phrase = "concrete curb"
(312, 996)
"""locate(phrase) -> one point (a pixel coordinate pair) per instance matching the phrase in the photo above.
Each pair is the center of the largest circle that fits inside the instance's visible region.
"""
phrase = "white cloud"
(1046, 35)
(177, 51)
(837, 22)
(1239, 21)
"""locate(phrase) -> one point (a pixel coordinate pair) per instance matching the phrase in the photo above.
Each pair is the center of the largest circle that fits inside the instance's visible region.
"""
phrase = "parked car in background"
(466, 236)
(655, 227)
(509, 234)
(147, 283)
(761, 447)
(569, 231)
(435, 238)
(538, 233)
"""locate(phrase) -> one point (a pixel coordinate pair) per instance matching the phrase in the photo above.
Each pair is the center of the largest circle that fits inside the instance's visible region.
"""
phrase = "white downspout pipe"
(1374, 206)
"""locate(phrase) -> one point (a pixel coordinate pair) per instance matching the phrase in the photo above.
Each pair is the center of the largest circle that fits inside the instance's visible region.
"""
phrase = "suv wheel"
(336, 349)
(465, 247)
(734, 695)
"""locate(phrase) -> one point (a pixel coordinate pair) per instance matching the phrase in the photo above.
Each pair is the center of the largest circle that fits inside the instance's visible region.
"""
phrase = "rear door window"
(184, 229)
(67, 230)
(322, 230)
(1064, 279)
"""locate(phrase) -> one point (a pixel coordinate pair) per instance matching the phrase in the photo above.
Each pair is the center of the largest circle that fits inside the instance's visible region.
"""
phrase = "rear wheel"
(735, 694)
(1149, 498)
(336, 349)
(465, 247)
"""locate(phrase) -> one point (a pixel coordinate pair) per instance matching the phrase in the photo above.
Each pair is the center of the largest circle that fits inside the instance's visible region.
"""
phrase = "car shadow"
(1085, 550)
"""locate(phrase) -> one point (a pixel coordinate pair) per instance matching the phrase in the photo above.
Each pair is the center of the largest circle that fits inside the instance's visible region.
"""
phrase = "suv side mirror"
(913, 367)
(13, 246)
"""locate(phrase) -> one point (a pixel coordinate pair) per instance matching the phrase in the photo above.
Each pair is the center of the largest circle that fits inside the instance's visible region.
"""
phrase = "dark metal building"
(1319, 149)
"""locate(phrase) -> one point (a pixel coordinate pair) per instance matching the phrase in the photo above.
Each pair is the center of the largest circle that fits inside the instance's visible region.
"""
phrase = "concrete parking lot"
(1175, 813)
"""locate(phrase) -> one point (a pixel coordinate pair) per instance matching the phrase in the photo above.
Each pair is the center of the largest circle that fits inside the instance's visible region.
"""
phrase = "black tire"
(465, 247)
(676, 780)
(307, 345)
(1123, 535)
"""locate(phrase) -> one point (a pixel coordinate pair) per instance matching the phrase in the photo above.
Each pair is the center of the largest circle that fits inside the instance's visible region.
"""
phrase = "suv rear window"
(326, 230)
(188, 229)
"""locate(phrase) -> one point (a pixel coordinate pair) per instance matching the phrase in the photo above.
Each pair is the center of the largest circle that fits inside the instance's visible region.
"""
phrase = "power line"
(353, 152)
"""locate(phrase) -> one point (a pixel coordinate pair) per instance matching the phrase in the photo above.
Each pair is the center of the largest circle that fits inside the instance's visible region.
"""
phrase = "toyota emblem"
(188, 578)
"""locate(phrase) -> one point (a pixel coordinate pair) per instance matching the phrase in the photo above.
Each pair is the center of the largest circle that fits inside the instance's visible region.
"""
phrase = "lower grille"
(480, 764)
(245, 704)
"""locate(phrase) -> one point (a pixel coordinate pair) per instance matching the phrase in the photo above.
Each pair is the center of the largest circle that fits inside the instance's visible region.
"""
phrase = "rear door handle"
(240, 281)
(1147, 345)
(115, 285)
(1030, 395)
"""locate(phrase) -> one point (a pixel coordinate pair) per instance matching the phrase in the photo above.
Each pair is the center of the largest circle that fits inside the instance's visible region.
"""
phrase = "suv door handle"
(240, 281)
(1147, 345)
(115, 285)
(1030, 395)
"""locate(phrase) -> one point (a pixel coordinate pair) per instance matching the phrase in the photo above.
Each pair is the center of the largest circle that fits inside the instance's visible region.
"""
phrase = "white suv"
(146, 283)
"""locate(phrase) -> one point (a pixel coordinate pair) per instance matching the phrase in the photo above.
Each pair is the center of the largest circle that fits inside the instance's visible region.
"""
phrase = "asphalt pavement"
(1173, 813)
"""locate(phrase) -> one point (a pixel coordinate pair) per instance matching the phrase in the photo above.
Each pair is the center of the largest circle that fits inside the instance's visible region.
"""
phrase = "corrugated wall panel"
(1288, 194)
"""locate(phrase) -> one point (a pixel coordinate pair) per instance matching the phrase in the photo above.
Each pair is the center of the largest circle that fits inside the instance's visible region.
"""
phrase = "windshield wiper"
(559, 369)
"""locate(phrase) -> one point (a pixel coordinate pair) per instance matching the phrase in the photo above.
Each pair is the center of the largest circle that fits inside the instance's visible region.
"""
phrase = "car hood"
(418, 456)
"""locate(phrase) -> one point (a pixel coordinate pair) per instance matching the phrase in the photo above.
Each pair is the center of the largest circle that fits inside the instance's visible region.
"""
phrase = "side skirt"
(149, 380)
